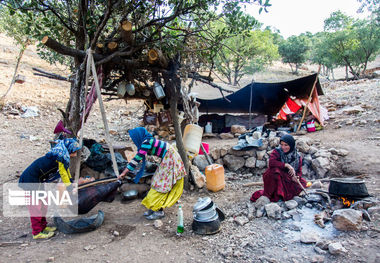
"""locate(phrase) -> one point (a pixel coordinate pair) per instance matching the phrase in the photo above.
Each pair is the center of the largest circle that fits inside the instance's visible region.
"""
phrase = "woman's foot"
(156, 215)
(49, 229)
(148, 212)
(43, 235)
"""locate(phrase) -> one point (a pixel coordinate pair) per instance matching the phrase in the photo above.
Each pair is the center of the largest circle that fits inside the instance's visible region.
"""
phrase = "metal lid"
(202, 203)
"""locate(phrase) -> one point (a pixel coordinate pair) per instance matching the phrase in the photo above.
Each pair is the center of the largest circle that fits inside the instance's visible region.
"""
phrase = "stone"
(323, 244)
(347, 219)
(116, 233)
(261, 164)
(219, 161)
(342, 152)
(373, 210)
(241, 220)
(223, 151)
(353, 110)
(260, 212)
(301, 201)
(158, 223)
(273, 141)
(199, 178)
(317, 259)
(291, 204)
(262, 201)
(215, 153)
(260, 155)
(336, 248)
(273, 210)
(238, 129)
(233, 163)
(226, 136)
(321, 166)
(51, 259)
(313, 150)
(349, 122)
(250, 162)
(316, 185)
(250, 153)
(320, 250)
(200, 161)
(309, 237)
(302, 146)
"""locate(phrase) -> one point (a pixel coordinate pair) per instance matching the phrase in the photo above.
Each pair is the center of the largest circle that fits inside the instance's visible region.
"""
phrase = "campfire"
(347, 202)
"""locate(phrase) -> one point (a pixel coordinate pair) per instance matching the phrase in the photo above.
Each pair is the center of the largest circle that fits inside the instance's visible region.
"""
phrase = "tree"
(245, 53)
(123, 33)
(294, 51)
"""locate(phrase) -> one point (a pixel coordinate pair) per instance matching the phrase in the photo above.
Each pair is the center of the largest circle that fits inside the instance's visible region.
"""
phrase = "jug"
(208, 127)
(192, 137)
(215, 177)
(158, 90)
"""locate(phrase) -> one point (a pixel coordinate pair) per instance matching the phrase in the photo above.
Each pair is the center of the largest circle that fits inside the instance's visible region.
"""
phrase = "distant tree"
(352, 43)
(321, 54)
(245, 54)
(294, 51)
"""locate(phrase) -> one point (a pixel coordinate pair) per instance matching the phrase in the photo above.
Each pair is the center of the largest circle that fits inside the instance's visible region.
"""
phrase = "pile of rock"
(318, 162)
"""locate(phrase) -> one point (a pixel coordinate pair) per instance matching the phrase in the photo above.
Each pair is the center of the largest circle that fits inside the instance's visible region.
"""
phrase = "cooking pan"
(348, 187)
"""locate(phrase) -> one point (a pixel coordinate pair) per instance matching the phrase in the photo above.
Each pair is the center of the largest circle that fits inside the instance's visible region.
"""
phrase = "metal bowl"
(206, 215)
(130, 194)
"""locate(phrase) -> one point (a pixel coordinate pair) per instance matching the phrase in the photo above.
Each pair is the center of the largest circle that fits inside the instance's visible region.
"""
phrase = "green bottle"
(180, 227)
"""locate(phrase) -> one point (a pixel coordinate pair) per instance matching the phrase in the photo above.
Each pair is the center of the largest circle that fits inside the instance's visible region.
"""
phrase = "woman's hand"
(121, 176)
(291, 171)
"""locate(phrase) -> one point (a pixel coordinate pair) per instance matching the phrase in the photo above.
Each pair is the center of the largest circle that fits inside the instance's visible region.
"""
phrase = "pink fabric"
(38, 223)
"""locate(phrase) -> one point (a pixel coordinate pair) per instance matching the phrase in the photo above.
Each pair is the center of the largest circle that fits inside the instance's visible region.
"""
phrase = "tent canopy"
(267, 98)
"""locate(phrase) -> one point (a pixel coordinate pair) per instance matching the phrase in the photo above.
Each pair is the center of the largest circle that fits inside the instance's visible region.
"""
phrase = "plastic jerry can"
(192, 137)
(215, 177)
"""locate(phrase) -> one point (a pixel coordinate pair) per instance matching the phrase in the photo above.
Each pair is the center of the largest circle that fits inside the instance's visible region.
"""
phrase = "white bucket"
(192, 137)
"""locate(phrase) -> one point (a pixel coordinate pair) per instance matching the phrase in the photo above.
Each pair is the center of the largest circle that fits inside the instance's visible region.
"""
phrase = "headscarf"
(62, 150)
(138, 136)
(291, 157)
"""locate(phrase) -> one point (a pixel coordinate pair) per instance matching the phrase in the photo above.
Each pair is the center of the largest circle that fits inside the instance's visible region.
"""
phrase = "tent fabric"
(290, 107)
(80, 225)
(267, 98)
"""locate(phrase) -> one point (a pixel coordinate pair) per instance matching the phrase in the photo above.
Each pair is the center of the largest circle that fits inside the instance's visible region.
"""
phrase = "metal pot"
(206, 228)
(348, 187)
(206, 215)
(130, 194)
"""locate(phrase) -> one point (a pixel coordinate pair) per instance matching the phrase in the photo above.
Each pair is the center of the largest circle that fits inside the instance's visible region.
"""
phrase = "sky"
(293, 17)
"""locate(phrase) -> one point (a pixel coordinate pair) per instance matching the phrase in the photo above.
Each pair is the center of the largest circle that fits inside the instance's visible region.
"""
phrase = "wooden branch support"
(253, 184)
(97, 182)
(309, 99)
(126, 32)
(112, 46)
(155, 56)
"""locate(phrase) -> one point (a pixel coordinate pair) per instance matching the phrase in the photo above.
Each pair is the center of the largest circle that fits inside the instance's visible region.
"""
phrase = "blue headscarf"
(291, 157)
(138, 135)
(62, 150)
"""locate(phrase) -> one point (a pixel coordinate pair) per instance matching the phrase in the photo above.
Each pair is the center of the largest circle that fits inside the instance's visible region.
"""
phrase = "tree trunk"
(173, 84)
(291, 67)
(73, 106)
(332, 74)
(22, 50)
(346, 73)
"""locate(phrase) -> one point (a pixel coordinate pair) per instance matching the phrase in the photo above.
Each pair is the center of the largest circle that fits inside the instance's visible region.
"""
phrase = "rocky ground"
(353, 126)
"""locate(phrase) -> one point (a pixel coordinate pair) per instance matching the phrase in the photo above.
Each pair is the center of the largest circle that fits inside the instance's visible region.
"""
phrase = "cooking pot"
(206, 215)
(206, 228)
(348, 187)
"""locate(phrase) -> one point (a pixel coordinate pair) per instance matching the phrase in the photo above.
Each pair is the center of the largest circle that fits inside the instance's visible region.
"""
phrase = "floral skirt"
(167, 182)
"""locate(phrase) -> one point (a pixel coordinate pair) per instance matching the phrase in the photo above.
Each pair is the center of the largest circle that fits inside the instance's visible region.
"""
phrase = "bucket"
(206, 146)
(310, 126)
(192, 137)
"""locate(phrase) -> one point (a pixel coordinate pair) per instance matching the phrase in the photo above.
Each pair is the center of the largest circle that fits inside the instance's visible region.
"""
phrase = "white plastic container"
(192, 137)
(208, 127)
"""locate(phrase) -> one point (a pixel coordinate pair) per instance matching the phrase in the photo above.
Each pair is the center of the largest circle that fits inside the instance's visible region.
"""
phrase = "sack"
(150, 118)
(310, 126)
(164, 118)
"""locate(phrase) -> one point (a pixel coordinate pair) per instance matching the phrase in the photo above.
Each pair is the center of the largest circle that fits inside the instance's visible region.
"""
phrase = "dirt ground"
(261, 240)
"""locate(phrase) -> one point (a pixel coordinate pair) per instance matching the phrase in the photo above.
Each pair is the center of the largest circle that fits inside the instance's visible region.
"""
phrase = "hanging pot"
(348, 187)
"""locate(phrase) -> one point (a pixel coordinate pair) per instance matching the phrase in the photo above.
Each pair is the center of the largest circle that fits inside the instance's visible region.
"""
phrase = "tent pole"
(309, 99)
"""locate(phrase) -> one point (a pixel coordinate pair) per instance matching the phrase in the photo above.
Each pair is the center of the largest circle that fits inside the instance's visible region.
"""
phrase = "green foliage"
(294, 50)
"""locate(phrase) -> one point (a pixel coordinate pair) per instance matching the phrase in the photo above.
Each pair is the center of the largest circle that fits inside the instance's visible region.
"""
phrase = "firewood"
(254, 184)
(99, 48)
(126, 32)
(112, 46)
(155, 56)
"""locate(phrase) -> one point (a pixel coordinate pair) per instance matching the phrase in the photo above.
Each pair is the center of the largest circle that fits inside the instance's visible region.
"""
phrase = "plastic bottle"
(180, 227)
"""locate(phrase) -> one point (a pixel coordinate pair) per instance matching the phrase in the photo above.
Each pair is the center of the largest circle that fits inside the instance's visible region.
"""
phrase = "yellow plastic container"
(192, 137)
(215, 177)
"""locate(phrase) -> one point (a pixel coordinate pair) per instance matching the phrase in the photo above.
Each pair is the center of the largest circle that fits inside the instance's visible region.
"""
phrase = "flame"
(347, 202)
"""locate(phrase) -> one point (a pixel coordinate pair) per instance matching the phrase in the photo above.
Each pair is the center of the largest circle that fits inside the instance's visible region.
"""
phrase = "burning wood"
(347, 202)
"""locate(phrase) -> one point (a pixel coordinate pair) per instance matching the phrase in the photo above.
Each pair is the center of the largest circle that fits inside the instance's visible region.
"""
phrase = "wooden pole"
(104, 117)
(308, 100)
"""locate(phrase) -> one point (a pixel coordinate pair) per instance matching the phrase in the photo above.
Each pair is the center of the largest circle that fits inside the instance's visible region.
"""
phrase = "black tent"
(265, 98)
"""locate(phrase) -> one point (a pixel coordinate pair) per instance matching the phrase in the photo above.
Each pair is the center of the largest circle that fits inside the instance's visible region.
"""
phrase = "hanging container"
(130, 89)
(215, 177)
(192, 137)
(158, 90)
(121, 89)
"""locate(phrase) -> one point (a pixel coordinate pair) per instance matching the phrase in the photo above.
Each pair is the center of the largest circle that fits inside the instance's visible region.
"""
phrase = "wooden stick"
(309, 99)
(254, 184)
(97, 182)
(208, 158)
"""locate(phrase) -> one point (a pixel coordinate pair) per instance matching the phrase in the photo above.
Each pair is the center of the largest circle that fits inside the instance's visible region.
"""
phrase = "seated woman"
(284, 171)
(167, 182)
(47, 168)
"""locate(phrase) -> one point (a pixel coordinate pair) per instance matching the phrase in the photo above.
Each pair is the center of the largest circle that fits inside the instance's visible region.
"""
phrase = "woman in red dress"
(284, 171)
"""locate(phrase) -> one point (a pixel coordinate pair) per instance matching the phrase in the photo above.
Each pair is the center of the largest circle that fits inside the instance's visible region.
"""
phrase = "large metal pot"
(348, 187)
